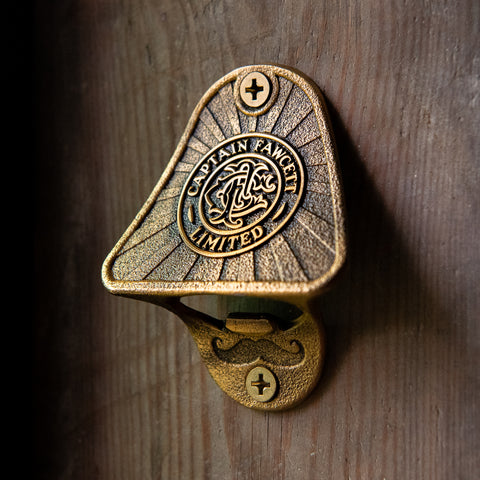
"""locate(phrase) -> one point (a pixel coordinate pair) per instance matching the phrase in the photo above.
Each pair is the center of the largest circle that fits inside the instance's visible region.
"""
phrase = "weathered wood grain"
(120, 391)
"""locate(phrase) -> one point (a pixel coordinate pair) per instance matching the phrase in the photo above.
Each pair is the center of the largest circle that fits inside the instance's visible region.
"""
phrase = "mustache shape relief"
(249, 351)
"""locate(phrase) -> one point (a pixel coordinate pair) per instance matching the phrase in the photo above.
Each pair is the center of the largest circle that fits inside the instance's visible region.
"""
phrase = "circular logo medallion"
(240, 194)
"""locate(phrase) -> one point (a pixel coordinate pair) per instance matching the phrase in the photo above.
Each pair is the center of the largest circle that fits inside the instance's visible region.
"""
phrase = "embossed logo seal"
(240, 194)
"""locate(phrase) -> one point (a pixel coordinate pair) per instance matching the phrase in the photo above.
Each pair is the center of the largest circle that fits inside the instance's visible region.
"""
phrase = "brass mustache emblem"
(249, 351)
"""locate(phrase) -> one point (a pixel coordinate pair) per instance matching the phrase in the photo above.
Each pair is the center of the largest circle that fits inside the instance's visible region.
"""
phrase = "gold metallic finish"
(294, 355)
(255, 91)
(239, 195)
(261, 384)
(250, 205)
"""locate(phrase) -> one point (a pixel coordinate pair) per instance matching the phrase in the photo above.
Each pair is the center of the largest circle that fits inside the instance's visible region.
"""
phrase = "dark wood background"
(120, 391)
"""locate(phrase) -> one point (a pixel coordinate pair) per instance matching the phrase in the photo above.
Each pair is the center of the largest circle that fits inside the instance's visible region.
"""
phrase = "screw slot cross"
(254, 89)
(261, 384)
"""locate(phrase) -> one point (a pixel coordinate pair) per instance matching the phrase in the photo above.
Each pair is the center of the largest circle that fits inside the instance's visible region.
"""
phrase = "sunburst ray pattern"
(304, 250)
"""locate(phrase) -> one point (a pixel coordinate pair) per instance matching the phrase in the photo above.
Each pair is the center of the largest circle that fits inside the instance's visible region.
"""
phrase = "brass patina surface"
(250, 204)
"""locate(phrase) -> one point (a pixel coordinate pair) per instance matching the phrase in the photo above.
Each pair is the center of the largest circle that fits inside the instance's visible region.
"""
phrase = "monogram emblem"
(242, 191)
(240, 194)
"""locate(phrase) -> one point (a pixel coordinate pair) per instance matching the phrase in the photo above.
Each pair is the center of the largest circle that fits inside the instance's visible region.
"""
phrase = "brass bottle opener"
(249, 209)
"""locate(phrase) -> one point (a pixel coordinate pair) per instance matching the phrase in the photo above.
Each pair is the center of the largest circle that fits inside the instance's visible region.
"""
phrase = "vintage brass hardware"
(249, 209)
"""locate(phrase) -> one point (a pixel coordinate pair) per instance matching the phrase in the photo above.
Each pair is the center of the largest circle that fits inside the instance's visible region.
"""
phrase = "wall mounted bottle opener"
(249, 209)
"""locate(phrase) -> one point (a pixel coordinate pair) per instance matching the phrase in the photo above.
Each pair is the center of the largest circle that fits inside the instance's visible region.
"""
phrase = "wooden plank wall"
(120, 390)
